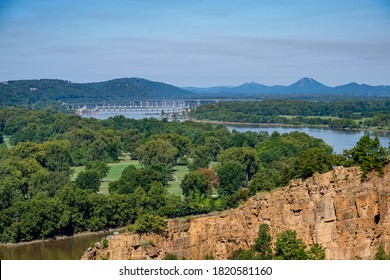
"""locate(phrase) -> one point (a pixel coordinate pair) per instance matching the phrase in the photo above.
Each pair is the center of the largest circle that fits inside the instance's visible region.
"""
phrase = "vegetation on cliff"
(286, 247)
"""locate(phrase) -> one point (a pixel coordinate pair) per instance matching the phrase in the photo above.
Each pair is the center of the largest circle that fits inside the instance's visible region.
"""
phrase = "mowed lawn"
(116, 169)
(6, 141)
(115, 172)
(178, 174)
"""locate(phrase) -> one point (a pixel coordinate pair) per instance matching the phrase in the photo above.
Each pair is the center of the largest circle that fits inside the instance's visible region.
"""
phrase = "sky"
(197, 43)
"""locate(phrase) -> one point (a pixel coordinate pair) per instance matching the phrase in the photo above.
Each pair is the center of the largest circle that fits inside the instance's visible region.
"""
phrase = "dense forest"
(39, 200)
(336, 114)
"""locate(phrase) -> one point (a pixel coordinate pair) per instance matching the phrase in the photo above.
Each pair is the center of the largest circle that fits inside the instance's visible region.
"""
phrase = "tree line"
(339, 114)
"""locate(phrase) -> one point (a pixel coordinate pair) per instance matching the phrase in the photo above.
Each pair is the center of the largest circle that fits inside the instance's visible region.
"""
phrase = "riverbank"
(267, 125)
(62, 237)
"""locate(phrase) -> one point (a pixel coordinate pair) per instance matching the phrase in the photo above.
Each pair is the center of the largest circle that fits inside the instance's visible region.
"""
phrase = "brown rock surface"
(348, 217)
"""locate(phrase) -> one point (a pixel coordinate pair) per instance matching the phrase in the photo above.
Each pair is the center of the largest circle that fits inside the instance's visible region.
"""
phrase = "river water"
(70, 248)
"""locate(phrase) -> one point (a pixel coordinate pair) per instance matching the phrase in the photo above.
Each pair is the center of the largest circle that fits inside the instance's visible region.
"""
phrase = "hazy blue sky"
(197, 43)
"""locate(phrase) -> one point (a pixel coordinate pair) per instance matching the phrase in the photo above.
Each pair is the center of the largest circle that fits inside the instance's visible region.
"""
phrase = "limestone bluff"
(350, 218)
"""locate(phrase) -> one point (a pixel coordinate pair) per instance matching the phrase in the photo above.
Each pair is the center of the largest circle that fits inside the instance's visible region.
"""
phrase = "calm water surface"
(61, 249)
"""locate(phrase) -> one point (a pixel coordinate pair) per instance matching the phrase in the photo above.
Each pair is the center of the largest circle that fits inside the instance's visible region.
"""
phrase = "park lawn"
(6, 141)
(115, 172)
(179, 172)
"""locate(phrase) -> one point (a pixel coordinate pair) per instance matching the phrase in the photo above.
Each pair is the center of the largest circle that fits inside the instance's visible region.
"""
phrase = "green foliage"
(194, 181)
(368, 154)
(149, 223)
(157, 151)
(339, 114)
(311, 161)
(263, 244)
(148, 242)
(289, 247)
(200, 158)
(245, 156)
(197, 203)
(100, 167)
(88, 180)
(242, 254)
(316, 252)
(232, 177)
(381, 254)
(132, 178)
(169, 256)
(209, 256)
(261, 250)
(104, 243)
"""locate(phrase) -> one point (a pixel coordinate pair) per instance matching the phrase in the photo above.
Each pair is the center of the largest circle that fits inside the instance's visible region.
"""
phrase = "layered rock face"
(348, 217)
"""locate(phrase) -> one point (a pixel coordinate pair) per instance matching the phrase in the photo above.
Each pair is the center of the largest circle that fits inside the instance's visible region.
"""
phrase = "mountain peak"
(307, 83)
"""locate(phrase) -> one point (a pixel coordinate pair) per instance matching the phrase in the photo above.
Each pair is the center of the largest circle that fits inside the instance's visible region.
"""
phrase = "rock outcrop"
(350, 218)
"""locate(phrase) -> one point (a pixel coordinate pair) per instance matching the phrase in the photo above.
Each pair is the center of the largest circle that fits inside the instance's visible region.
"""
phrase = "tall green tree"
(263, 243)
(194, 181)
(157, 151)
(245, 156)
(232, 177)
(289, 247)
(368, 154)
(100, 167)
(88, 180)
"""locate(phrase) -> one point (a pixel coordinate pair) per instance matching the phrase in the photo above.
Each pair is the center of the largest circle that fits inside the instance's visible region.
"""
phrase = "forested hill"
(38, 93)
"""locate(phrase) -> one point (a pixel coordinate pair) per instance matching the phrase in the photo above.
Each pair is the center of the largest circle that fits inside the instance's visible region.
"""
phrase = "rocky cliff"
(348, 217)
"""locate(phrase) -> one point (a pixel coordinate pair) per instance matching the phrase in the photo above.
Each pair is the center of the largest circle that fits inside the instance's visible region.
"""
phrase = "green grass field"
(178, 175)
(6, 141)
(115, 172)
(116, 169)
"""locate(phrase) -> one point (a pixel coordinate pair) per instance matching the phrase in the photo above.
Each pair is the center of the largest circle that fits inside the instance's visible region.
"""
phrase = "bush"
(149, 223)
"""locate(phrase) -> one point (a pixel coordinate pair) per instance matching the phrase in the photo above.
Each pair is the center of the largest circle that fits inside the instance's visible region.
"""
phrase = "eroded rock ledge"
(348, 217)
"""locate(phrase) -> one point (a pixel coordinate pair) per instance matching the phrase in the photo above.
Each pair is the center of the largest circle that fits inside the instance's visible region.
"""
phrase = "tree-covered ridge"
(38, 199)
(335, 114)
(45, 92)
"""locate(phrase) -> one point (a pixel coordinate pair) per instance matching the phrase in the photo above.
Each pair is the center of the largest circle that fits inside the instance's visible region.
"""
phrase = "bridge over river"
(165, 106)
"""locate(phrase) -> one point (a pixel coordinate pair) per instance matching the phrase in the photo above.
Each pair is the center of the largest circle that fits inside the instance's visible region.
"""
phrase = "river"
(70, 248)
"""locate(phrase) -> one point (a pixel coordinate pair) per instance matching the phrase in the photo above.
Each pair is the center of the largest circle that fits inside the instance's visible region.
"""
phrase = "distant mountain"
(303, 86)
(139, 89)
(40, 92)
(217, 89)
